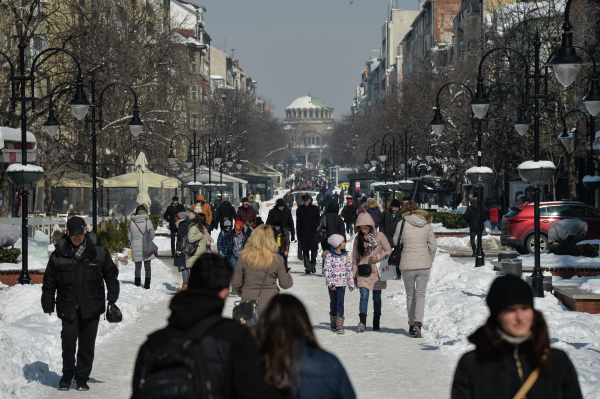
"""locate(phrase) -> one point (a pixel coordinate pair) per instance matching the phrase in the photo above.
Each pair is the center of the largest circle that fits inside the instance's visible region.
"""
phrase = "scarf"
(512, 340)
(371, 241)
(78, 251)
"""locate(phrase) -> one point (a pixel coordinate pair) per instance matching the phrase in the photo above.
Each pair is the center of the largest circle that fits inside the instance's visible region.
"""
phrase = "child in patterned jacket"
(338, 274)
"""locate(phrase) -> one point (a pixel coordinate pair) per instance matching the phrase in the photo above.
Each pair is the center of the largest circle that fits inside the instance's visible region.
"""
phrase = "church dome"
(308, 102)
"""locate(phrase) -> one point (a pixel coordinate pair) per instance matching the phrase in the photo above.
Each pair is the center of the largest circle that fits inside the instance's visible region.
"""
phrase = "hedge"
(587, 250)
(9, 255)
(155, 219)
(115, 240)
(449, 220)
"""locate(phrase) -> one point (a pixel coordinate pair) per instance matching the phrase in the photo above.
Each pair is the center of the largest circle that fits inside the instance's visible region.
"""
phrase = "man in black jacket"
(390, 219)
(232, 357)
(225, 211)
(169, 216)
(77, 271)
(470, 216)
(281, 212)
(288, 199)
(307, 220)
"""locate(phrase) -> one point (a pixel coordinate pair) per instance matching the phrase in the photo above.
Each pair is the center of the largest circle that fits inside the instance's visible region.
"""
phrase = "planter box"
(25, 179)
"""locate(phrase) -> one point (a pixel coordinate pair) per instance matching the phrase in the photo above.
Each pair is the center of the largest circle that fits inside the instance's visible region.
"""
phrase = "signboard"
(357, 185)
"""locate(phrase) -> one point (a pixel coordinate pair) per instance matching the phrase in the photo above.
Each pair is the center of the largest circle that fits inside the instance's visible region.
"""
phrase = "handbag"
(149, 248)
(364, 270)
(247, 312)
(396, 256)
(321, 233)
(300, 254)
(113, 314)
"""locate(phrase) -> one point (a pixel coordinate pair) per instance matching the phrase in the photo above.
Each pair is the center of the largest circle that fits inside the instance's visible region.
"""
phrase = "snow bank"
(552, 260)
(30, 345)
(455, 307)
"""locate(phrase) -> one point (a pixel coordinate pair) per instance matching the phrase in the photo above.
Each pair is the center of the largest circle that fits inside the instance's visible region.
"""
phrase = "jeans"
(79, 333)
(473, 243)
(415, 283)
(350, 228)
(336, 301)
(364, 300)
(138, 269)
(233, 259)
(185, 274)
(496, 225)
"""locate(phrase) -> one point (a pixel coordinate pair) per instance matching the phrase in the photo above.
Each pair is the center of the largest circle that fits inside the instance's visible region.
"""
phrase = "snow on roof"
(217, 77)
(309, 102)
(509, 16)
(11, 134)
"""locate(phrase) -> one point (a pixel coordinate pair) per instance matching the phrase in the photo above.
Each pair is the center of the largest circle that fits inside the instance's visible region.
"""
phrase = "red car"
(517, 225)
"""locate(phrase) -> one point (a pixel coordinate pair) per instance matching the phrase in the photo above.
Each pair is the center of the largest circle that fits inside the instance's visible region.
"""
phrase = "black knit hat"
(395, 203)
(175, 198)
(277, 222)
(279, 202)
(507, 291)
(305, 197)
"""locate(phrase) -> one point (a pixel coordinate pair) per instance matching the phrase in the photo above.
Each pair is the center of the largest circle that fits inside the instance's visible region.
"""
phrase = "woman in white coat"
(140, 223)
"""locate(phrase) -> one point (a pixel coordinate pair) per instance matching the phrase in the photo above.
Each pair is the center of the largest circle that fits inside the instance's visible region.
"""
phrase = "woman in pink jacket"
(370, 247)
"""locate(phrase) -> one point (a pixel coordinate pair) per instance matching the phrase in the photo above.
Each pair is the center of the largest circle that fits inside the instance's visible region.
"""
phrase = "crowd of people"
(274, 352)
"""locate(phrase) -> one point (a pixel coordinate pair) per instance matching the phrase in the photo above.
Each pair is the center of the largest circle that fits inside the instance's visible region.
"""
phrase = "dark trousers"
(312, 255)
(173, 238)
(79, 334)
(336, 301)
(473, 236)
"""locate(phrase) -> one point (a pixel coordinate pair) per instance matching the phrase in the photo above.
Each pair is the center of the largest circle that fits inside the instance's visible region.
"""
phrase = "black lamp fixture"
(480, 102)
(367, 164)
(565, 137)
(136, 125)
(437, 123)
(80, 104)
(383, 156)
(189, 161)
(592, 100)
(239, 164)
(229, 161)
(51, 125)
(429, 157)
(218, 158)
(171, 158)
(566, 62)
(522, 123)
(374, 160)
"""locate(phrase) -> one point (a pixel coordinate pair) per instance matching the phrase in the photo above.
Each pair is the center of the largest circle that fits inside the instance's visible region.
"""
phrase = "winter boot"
(82, 385)
(332, 320)
(362, 325)
(376, 317)
(183, 288)
(307, 266)
(313, 263)
(138, 281)
(411, 329)
(65, 382)
(147, 283)
(339, 325)
(417, 329)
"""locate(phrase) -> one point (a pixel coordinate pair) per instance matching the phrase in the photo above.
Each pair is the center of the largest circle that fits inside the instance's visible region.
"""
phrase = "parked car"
(345, 185)
(518, 226)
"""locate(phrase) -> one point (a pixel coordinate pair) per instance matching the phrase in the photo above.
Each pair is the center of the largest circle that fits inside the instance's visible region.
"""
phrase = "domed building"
(309, 120)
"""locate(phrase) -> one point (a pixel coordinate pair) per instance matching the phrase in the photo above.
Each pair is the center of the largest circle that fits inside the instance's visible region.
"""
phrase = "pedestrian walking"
(470, 216)
(169, 216)
(280, 211)
(341, 198)
(327, 199)
(299, 202)
(225, 212)
(204, 208)
(512, 356)
(260, 256)
(349, 216)
(375, 212)
(237, 241)
(389, 219)
(335, 225)
(338, 275)
(246, 213)
(218, 202)
(183, 228)
(418, 250)
(77, 271)
(288, 199)
(495, 214)
(198, 233)
(307, 220)
(282, 238)
(224, 240)
(224, 354)
(370, 247)
(292, 359)
(140, 224)
(254, 204)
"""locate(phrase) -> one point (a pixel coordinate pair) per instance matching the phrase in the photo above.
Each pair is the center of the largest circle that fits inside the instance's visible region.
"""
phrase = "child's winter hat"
(335, 240)
(277, 222)
(227, 223)
(239, 223)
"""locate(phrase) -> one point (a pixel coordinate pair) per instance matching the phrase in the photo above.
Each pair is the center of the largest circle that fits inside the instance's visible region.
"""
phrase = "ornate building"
(308, 121)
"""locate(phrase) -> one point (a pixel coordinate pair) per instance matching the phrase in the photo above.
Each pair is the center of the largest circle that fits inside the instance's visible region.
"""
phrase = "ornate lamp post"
(79, 107)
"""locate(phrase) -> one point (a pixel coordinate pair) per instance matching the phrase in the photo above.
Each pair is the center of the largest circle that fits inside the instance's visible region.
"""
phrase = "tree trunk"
(4, 191)
(571, 178)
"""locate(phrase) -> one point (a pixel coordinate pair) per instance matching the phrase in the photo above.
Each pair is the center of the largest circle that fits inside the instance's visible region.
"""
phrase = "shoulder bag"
(149, 248)
(396, 255)
(364, 270)
(529, 382)
(247, 312)
(321, 233)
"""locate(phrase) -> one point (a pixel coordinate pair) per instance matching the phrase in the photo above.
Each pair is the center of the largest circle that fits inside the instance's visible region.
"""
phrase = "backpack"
(149, 248)
(177, 369)
(187, 247)
(321, 233)
(494, 214)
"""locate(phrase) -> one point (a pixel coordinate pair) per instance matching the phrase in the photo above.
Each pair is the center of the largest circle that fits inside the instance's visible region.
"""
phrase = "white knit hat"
(335, 240)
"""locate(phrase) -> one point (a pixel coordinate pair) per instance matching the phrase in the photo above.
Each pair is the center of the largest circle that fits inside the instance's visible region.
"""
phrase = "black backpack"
(177, 369)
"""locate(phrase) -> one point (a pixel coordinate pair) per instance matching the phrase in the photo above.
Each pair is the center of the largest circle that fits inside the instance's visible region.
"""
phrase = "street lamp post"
(79, 107)
(226, 161)
(211, 149)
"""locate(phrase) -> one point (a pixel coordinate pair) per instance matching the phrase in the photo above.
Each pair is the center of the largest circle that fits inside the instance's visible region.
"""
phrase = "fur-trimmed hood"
(417, 218)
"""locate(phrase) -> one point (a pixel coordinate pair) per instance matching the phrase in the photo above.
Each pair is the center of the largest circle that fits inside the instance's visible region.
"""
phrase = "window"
(311, 114)
(586, 212)
(194, 93)
(558, 211)
(305, 114)
(194, 120)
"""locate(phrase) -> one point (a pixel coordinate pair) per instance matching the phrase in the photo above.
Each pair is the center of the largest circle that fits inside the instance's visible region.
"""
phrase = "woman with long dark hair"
(292, 359)
(512, 356)
(370, 247)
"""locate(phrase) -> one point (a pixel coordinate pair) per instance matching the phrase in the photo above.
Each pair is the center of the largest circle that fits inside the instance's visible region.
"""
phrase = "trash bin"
(507, 255)
(513, 267)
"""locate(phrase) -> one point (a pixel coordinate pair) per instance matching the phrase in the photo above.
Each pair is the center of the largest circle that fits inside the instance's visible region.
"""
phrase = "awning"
(11, 145)
(215, 178)
(130, 180)
(72, 179)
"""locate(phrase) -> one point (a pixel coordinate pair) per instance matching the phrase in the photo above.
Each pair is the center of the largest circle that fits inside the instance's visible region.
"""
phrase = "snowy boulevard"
(384, 364)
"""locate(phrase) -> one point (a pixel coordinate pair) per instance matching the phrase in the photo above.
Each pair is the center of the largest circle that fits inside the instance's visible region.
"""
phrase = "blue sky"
(293, 47)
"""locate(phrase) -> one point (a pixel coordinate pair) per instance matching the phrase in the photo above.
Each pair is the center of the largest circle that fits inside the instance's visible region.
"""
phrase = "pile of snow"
(465, 242)
(536, 165)
(30, 347)
(478, 169)
(589, 178)
(455, 307)
(552, 260)
(195, 183)
(162, 230)
(17, 167)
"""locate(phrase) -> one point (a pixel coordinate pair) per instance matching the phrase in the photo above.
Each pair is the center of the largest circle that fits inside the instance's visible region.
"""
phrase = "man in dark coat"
(246, 213)
(299, 202)
(288, 199)
(225, 211)
(77, 271)
(218, 201)
(281, 212)
(327, 200)
(390, 219)
(349, 216)
(169, 216)
(307, 220)
(470, 216)
(229, 351)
